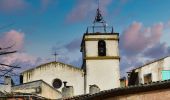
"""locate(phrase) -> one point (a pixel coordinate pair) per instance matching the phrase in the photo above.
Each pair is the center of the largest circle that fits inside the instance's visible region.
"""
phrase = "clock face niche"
(101, 48)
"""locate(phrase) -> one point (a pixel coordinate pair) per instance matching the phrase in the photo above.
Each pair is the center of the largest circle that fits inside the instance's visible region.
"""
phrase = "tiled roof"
(124, 91)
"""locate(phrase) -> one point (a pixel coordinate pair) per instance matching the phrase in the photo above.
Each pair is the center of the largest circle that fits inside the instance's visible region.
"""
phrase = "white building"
(55, 73)
(157, 70)
(101, 60)
(100, 68)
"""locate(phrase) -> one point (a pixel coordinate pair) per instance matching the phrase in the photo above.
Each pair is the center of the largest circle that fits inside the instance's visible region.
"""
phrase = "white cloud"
(85, 8)
(12, 5)
(22, 59)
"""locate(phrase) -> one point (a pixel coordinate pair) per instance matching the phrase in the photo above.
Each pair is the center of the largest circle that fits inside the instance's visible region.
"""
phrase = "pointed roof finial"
(98, 17)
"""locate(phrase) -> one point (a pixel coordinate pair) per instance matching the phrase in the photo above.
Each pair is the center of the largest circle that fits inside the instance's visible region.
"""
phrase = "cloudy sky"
(40, 27)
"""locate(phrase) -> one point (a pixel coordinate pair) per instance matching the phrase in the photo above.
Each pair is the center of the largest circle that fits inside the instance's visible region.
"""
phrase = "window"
(57, 83)
(133, 78)
(101, 48)
(21, 79)
(165, 74)
(148, 78)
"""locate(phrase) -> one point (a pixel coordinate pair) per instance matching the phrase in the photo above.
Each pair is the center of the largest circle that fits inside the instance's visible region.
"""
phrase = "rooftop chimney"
(7, 84)
(7, 80)
(67, 91)
(94, 89)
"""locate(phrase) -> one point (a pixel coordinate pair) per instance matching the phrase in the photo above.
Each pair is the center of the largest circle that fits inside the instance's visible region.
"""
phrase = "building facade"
(157, 70)
(55, 73)
(39, 88)
(100, 68)
(101, 60)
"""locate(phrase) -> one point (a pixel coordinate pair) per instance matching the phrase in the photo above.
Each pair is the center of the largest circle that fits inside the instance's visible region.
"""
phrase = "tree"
(6, 69)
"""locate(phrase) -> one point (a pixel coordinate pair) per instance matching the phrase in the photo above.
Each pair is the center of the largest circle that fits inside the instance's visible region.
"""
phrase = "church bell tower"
(100, 52)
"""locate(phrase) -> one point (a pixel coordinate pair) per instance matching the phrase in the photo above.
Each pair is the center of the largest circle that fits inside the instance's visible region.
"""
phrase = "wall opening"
(57, 83)
(21, 79)
(148, 78)
(133, 78)
(101, 48)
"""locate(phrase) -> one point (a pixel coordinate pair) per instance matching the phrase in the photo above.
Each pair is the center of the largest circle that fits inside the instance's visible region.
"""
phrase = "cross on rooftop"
(55, 55)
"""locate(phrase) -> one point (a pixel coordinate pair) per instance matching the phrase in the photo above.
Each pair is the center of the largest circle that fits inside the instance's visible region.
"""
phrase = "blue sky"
(39, 27)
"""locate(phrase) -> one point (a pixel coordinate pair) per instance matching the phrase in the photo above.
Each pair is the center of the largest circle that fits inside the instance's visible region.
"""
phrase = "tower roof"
(99, 24)
(99, 17)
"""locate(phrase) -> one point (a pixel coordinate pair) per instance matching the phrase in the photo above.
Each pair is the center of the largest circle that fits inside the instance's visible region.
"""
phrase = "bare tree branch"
(9, 47)
(6, 72)
(4, 53)
(10, 66)
(6, 26)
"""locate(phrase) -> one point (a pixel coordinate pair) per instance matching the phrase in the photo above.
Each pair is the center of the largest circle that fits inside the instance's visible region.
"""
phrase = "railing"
(100, 29)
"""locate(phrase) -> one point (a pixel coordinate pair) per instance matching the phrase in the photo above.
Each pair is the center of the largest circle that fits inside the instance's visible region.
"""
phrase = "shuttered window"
(165, 74)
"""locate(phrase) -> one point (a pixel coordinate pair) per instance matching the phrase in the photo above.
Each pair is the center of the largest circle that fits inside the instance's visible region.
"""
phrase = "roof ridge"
(50, 63)
(150, 62)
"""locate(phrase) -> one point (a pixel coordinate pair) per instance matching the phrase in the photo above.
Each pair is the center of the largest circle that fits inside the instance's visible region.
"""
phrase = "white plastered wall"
(92, 46)
(50, 71)
(153, 68)
(166, 65)
(104, 73)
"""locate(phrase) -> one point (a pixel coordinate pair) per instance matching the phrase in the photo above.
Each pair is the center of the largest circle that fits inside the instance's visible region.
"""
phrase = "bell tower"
(100, 52)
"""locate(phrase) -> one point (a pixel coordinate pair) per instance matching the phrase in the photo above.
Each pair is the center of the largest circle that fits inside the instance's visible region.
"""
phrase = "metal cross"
(55, 55)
